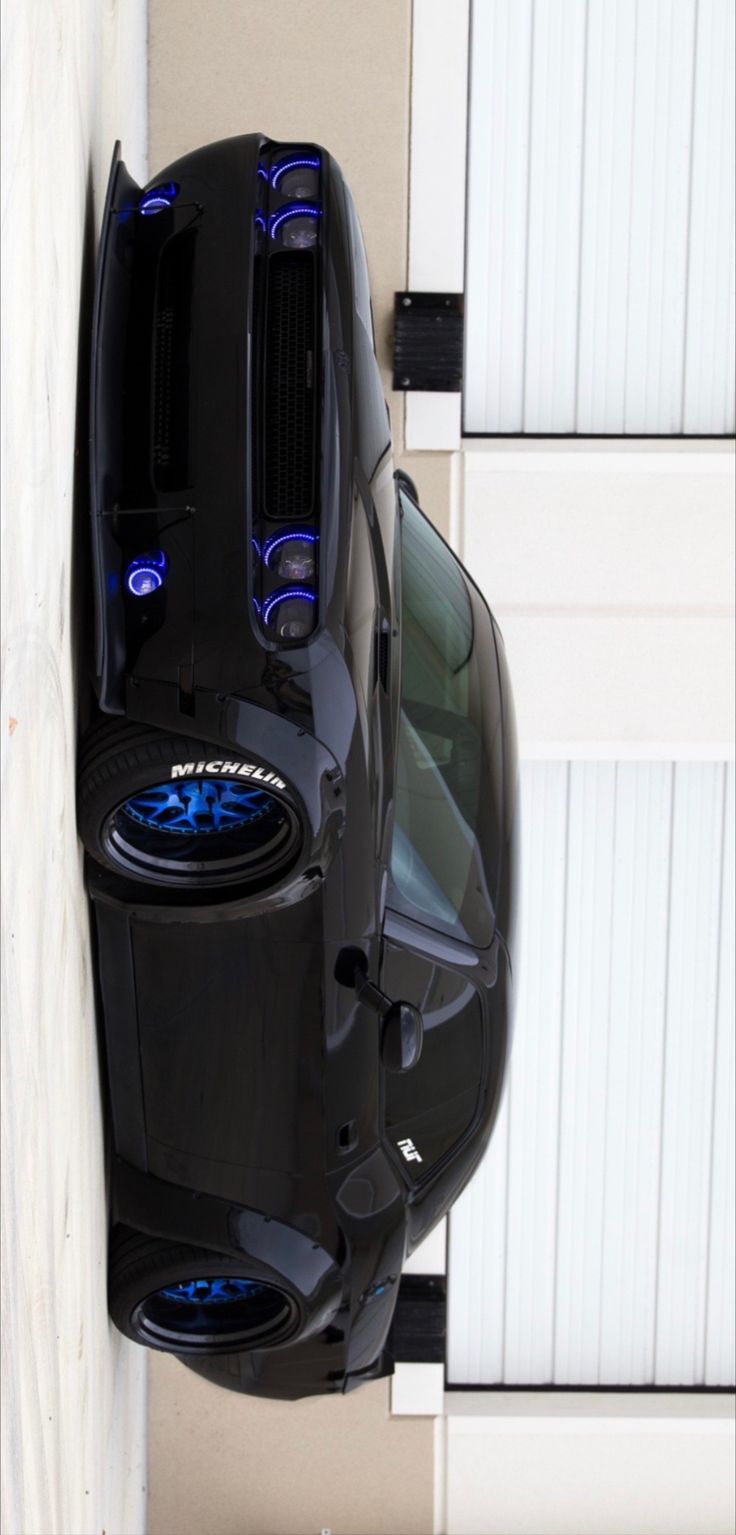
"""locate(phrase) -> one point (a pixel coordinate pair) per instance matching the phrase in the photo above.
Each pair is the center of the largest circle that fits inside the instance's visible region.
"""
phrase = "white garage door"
(600, 236)
(596, 1243)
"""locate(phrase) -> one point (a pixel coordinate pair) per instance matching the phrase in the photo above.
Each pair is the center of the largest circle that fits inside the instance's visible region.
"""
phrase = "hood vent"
(172, 469)
(290, 387)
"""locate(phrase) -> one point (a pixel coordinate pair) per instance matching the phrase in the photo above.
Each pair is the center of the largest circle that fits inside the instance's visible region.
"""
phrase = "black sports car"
(298, 797)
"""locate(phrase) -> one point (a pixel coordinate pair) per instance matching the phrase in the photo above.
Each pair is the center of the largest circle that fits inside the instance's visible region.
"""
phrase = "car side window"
(437, 865)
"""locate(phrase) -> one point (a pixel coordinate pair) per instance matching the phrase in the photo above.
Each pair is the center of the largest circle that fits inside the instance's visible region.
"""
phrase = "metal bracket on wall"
(428, 341)
(419, 1327)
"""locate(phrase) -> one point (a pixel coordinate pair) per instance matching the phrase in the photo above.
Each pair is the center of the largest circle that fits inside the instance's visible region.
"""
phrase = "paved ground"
(73, 80)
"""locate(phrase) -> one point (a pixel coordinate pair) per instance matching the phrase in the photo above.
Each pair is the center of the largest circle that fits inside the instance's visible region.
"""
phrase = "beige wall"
(336, 72)
(221, 1464)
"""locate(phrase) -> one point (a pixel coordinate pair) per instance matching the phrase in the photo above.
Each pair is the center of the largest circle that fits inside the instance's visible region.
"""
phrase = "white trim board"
(585, 1464)
(439, 113)
(610, 569)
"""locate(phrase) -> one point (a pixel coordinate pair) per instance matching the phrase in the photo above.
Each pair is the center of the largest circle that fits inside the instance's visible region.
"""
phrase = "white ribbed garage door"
(600, 217)
(596, 1243)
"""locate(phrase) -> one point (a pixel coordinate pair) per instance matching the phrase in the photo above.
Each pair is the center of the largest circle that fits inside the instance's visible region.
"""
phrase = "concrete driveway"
(73, 1426)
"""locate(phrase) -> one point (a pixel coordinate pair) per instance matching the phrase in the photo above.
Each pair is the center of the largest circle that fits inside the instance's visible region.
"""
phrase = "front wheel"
(170, 811)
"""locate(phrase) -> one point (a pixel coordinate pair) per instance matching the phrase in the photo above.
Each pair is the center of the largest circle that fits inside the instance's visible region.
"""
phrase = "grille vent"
(290, 391)
(172, 469)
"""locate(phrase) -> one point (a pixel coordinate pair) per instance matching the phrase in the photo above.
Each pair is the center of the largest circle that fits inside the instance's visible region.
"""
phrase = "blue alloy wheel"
(226, 1311)
(201, 805)
(201, 831)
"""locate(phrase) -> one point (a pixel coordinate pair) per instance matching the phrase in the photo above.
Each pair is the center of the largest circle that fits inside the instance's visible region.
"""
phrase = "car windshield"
(444, 846)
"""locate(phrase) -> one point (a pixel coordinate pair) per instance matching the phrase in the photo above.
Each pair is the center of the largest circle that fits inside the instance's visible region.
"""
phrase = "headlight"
(291, 613)
(292, 555)
(300, 234)
(296, 561)
(295, 620)
(297, 176)
(299, 183)
(297, 225)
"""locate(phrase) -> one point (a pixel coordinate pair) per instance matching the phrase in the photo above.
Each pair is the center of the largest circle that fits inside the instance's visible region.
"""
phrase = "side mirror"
(402, 1037)
(402, 1025)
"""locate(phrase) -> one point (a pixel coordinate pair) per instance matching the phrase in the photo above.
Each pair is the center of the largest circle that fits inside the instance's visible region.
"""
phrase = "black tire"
(139, 819)
(255, 1314)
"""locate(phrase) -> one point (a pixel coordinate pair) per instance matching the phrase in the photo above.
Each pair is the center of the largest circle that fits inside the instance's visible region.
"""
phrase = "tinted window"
(444, 777)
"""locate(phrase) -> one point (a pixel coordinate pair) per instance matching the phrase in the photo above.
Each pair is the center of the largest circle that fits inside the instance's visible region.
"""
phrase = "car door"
(432, 1109)
(439, 936)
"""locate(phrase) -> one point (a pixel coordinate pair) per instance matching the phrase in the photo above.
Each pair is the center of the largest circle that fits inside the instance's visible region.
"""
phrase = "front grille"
(171, 462)
(290, 387)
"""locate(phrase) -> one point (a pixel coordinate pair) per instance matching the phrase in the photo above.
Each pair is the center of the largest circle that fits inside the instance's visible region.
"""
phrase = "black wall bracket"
(419, 1328)
(428, 341)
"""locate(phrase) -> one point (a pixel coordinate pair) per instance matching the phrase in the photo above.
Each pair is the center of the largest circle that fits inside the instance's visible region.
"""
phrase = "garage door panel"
(596, 1242)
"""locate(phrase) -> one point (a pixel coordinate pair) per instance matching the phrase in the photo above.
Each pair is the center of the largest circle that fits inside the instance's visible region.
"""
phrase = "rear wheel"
(168, 810)
(188, 1300)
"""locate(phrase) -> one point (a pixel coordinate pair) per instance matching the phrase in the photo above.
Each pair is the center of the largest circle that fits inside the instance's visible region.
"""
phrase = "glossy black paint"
(248, 1092)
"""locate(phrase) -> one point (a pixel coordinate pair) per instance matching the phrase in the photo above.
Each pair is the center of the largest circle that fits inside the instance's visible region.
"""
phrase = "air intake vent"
(172, 469)
(290, 392)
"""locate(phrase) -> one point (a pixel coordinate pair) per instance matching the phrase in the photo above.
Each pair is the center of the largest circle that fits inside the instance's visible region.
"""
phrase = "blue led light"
(263, 172)
(158, 199)
(285, 595)
(286, 538)
(145, 575)
(294, 211)
(256, 544)
(259, 221)
(312, 161)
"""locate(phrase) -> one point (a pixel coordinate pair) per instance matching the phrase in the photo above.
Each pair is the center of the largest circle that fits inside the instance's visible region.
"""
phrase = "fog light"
(144, 580)
(146, 575)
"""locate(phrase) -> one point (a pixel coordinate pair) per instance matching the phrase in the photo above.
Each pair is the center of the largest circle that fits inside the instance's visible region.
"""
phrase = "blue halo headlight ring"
(144, 576)
(293, 211)
(286, 538)
(293, 164)
(158, 199)
(287, 594)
